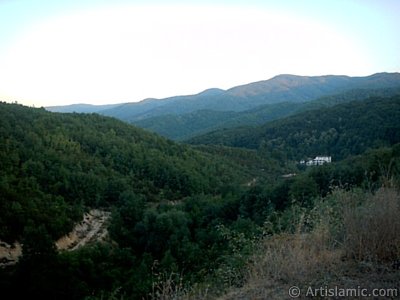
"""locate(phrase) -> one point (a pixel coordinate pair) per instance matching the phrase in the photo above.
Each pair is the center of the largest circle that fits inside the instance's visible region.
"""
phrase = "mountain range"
(182, 117)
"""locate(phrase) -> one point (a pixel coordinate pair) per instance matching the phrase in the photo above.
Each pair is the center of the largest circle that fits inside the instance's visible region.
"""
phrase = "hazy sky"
(65, 51)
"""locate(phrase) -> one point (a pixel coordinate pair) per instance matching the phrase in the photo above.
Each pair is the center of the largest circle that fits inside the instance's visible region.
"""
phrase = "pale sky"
(100, 52)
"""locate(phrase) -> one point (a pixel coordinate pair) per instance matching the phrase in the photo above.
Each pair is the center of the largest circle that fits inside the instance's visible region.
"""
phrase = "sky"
(102, 52)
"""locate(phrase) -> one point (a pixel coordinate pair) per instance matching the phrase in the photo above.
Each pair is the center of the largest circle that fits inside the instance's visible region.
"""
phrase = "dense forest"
(183, 218)
(166, 201)
(339, 131)
(89, 160)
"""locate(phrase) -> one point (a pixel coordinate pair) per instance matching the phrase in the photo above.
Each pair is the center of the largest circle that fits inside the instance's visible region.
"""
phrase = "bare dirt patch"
(9, 254)
(93, 228)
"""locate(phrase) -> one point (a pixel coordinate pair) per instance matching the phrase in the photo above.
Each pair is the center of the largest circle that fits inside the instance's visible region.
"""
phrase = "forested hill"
(341, 130)
(58, 164)
(185, 126)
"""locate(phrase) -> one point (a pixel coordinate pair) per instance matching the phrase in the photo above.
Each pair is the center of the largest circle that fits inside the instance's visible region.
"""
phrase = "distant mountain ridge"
(80, 108)
(292, 88)
(213, 107)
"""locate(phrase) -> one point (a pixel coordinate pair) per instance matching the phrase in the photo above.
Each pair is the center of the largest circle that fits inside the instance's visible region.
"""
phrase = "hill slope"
(61, 163)
(344, 129)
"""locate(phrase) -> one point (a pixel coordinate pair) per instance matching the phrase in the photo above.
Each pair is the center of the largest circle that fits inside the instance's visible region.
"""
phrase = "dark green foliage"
(185, 126)
(37, 243)
(92, 271)
(56, 164)
(339, 131)
(371, 170)
(303, 189)
(256, 205)
(256, 162)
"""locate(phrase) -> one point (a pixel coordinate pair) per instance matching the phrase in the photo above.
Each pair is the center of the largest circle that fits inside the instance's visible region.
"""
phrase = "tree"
(303, 190)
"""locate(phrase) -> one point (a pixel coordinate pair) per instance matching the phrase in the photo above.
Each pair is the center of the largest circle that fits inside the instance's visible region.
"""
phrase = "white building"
(317, 161)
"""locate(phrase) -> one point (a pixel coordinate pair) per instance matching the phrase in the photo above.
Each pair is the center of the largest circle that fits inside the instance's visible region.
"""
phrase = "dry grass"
(293, 258)
(286, 260)
(168, 287)
(372, 230)
(352, 237)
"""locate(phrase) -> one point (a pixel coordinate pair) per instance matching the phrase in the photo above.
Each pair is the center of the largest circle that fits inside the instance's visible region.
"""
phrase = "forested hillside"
(339, 131)
(167, 203)
(185, 126)
(53, 161)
